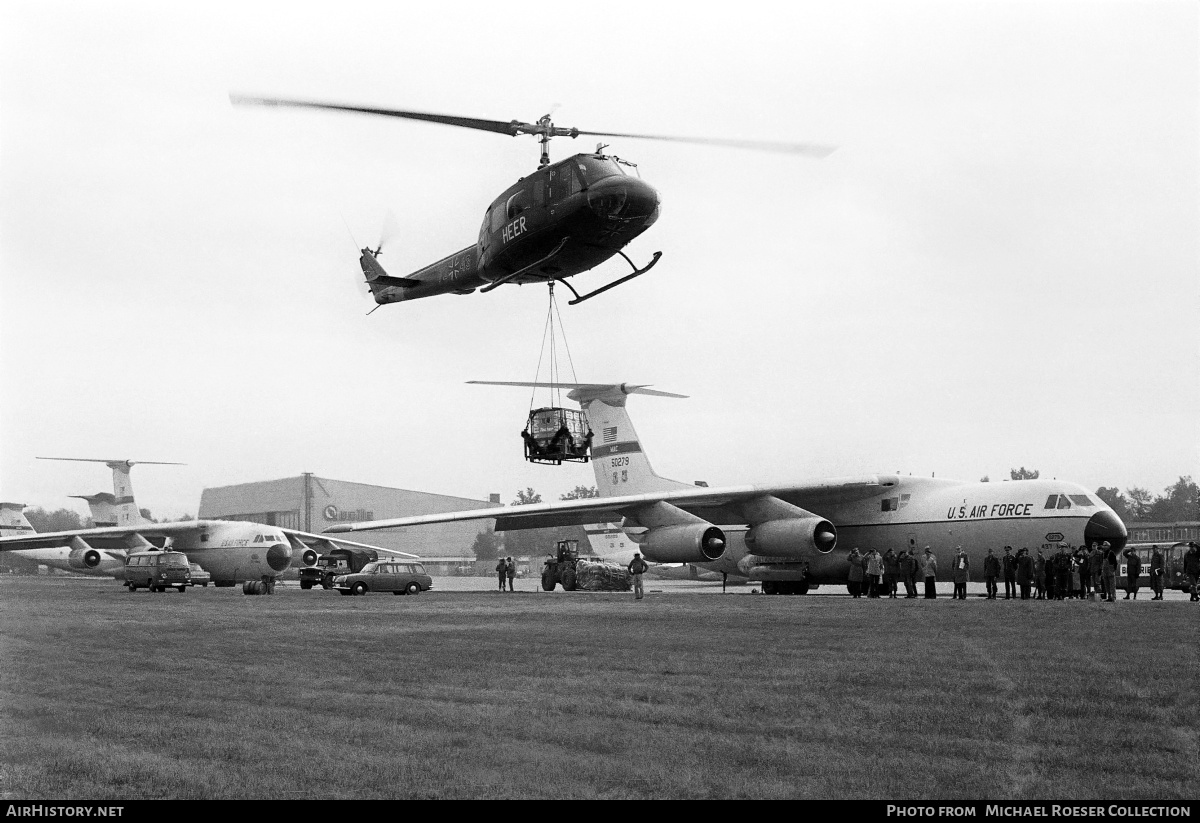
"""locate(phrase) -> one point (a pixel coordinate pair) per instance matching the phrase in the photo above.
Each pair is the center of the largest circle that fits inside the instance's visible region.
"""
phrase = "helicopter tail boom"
(454, 274)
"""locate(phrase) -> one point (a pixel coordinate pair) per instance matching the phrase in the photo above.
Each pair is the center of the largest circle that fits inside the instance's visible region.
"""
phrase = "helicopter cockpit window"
(517, 203)
(497, 217)
(597, 168)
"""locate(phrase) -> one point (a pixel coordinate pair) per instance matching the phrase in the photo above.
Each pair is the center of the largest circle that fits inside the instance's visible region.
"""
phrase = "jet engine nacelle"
(792, 537)
(689, 543)
(309, 557)
(84, 558)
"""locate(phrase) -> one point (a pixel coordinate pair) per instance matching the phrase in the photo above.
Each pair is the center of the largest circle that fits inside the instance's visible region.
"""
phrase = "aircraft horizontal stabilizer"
(582, 391)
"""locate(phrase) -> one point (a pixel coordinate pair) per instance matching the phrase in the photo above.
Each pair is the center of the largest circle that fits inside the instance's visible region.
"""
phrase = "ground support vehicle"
(395, 576)
(336, 562)
(157, 571)
(590, 574)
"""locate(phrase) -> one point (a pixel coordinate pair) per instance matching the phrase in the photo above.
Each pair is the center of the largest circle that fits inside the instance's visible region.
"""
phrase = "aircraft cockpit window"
(1064, 502)
(497, 217)
(257, 538)
(1082, 500)
(597, 168)
(517, 203)
(1052, 501)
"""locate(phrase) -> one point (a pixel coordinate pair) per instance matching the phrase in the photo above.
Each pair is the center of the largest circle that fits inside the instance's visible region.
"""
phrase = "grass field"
(111, 695)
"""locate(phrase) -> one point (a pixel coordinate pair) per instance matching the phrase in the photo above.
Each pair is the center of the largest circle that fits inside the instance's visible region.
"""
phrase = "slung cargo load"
(553, 435)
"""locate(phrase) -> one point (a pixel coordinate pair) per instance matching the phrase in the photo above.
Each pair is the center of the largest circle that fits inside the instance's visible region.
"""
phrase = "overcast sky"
(996, 268)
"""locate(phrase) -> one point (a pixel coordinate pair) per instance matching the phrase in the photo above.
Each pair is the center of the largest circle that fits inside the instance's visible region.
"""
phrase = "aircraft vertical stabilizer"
(620, 464)
(118, 508)
(13, 521)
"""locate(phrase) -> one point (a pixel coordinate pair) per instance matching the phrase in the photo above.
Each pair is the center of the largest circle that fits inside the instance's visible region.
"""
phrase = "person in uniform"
(1110, 571)
(501, 571)
(874, 568)
(1096, 570)
(1158, 568)
(991, 571)
(637, 567)
(1133, 571)
(1191, 569)
(1024, 572)
(961, 573)
(1009, 565)
(854, 579)
(929, 570)
(510, 571)
(1085, 577)
(1062, 574)
(891, 572)
(908, 572)
(1039, 575)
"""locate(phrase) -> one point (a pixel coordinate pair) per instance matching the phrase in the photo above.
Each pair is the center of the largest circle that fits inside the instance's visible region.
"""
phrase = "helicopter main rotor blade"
(544, 127)
(808, 149)
(511, 127)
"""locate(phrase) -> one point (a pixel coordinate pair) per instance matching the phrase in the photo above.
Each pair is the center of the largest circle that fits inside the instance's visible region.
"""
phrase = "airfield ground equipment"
(586, 574)
(157, 571)
(562, 219)
(334, 563)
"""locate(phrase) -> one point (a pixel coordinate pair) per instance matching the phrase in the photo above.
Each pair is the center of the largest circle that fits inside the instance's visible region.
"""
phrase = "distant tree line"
(1179, 502)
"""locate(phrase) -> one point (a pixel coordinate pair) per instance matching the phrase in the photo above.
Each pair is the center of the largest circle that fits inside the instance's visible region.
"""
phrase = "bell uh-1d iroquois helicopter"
(564, 219)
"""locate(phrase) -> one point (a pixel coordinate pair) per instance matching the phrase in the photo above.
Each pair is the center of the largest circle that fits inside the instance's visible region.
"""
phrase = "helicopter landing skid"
(509, 277)
(636, 272)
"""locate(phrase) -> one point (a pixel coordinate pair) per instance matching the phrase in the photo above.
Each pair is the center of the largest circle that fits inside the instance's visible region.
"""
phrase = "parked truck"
(590, 574)
(335, 562)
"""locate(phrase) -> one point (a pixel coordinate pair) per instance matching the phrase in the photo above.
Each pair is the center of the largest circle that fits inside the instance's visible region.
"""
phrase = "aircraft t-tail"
(794, 536)
(231, 551)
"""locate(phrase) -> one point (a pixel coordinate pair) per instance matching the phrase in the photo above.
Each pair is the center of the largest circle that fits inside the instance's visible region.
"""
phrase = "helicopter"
(563, 219)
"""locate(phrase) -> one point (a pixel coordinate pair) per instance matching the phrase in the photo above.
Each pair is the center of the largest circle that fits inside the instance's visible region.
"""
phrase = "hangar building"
(313, 504)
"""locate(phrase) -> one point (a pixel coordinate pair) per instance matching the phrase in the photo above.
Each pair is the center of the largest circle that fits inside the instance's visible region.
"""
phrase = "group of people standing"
(1082, 573)
(506, 569)
(880, 575)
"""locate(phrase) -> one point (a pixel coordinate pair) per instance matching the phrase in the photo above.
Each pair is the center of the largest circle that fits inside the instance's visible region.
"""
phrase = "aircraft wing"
(102, 537)
(323, 544)
(713, 504)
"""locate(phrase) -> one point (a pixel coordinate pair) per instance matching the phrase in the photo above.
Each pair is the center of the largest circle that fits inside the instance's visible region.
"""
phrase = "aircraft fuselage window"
(563, 182)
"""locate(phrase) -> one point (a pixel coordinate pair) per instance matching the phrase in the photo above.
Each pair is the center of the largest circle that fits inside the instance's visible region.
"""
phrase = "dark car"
(395, 576)
(199, 576)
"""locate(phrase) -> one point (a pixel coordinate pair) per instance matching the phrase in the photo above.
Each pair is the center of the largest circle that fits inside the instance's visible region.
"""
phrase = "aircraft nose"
(1105, 525)
(626, 198)
(279, 556)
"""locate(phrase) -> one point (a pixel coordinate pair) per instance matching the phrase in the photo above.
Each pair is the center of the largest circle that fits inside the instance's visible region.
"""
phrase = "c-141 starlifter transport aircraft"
(232, 551)
(770, 532)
